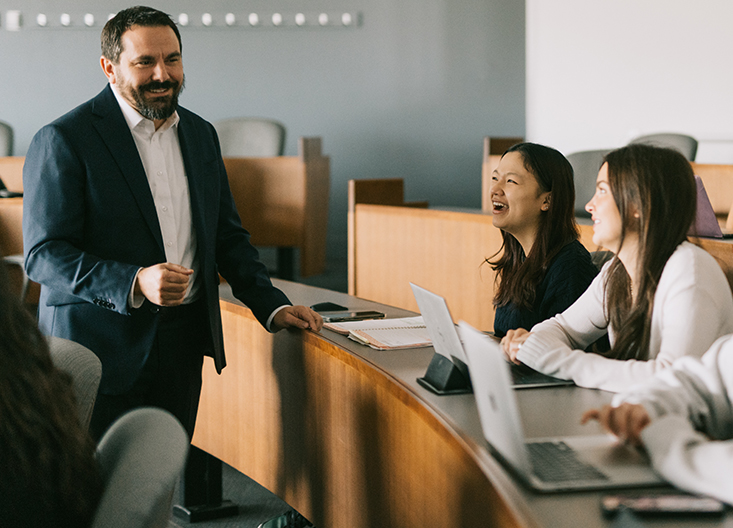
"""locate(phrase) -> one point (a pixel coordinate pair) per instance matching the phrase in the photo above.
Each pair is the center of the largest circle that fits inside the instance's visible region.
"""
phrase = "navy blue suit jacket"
(89, 223)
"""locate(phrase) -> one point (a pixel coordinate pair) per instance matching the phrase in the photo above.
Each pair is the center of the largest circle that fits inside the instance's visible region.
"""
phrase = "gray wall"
(408, 93)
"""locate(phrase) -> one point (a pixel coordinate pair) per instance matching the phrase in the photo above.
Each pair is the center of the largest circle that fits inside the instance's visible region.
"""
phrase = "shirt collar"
(136, 121)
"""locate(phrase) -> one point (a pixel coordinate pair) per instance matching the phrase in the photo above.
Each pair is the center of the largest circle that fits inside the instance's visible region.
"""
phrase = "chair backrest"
(85, 370)
(6, 139)
(585, 169)
(687, 145)
(141, 457)
(250, 137)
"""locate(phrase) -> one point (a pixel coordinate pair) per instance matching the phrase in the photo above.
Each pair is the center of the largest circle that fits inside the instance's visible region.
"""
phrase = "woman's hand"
(512, 342)
(625, 421)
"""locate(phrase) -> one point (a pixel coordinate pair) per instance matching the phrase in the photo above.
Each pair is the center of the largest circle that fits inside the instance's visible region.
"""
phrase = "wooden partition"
(388, 191)
(11, 209)
(283, 201)
(343, 438)
(441, 250)
(11, 226)
(11, 172)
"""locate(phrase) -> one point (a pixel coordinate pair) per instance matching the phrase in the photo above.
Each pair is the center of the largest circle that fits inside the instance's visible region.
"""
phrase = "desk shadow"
(371, 449)
(301, 456)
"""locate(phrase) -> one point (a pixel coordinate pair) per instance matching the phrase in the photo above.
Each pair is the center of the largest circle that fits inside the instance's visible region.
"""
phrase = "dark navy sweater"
(568, 276)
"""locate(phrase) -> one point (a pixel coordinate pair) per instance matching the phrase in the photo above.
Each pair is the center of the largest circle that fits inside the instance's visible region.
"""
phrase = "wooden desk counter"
(345, 434)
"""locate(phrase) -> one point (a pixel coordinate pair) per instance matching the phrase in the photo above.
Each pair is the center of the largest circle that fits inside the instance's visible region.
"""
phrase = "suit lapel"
(189, 141)
(112, 127)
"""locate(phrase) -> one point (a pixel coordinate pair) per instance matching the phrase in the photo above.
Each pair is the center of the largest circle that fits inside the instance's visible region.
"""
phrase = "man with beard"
(128, 219)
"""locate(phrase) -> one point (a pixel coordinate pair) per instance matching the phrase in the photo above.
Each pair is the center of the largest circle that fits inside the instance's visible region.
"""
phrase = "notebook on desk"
(545, 464)
(446, 341)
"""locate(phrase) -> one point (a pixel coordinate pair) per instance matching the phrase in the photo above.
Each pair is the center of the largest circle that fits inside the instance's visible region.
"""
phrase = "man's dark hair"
(124, 20)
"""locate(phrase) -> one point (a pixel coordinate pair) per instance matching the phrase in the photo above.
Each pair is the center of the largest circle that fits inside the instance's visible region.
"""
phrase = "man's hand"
(297, 316)
(625, 421)
(163, 284)
(511, 343)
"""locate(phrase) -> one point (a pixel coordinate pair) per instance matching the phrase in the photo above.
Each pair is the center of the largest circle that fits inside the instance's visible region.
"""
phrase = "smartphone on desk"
(342, 317)
(662, 504)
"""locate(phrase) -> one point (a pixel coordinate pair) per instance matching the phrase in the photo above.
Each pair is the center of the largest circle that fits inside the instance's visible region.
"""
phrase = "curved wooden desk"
(345, 434)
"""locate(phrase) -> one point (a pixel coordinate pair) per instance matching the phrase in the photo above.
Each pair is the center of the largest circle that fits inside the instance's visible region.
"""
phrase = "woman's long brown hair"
(43, 446)
(658, 185)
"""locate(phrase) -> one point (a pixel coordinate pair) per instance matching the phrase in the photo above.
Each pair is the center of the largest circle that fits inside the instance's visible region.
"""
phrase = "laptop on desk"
(706, 223)
(446, 342)
(545, 464)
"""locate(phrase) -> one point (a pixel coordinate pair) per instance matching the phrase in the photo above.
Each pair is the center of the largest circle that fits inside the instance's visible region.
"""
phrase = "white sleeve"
(697, 389)
(693, 307)
(688, 459)
(690, 438)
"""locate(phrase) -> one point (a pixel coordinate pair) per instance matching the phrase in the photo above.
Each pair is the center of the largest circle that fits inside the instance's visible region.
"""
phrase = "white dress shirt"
(160, 153)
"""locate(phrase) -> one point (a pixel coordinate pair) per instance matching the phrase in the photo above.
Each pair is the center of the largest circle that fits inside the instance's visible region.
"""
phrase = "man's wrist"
(268, 324)
(135, 299)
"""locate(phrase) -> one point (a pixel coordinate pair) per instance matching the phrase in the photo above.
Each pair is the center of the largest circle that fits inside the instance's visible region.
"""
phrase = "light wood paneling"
(11, 172)
(343, 442)
(442, 251)
(283, 201)
(387, 191)
(11, 226)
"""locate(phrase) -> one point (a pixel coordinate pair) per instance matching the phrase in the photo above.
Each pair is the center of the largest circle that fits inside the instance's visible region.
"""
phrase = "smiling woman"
(543, 268)
(659, 298)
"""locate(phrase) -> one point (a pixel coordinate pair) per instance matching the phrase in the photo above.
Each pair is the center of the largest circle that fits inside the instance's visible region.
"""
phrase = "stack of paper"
(385, 334)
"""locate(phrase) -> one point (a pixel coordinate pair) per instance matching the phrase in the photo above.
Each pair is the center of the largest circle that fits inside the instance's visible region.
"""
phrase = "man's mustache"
(157, 85)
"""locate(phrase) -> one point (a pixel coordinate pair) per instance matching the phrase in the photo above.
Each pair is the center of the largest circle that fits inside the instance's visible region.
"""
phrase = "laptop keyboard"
(523, 375)
(557, 462)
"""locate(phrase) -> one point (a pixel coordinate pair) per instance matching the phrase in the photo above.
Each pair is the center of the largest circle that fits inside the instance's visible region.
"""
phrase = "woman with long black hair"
(543, 268)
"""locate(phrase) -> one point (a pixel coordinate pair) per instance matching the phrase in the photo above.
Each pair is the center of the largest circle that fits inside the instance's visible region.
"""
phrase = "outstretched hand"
(298, 317)
(625, 421)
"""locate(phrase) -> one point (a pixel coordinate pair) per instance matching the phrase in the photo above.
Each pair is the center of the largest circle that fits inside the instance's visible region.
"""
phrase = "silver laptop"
(545, 464)
(446, 342)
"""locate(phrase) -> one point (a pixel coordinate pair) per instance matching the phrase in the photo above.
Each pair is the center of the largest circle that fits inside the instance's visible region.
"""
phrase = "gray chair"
(687, 145)
(85, 370)
(141, 457)
(585, 169)
(6, 139)
(250, 137)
